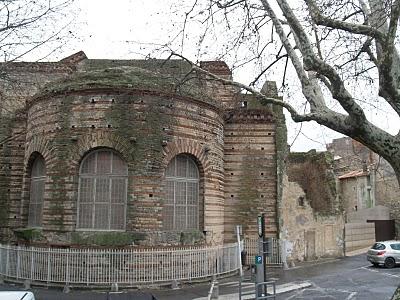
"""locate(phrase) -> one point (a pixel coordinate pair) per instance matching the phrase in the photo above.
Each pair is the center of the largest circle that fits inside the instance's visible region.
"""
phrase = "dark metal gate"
(384, 229)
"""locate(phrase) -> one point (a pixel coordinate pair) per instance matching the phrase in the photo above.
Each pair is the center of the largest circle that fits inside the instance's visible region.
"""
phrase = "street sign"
(258, 259)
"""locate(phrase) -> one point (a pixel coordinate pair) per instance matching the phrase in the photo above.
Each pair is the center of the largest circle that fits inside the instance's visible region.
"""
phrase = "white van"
(16, 295)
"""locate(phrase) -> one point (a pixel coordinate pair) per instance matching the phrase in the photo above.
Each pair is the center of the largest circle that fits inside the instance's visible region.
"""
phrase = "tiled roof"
(355, 173)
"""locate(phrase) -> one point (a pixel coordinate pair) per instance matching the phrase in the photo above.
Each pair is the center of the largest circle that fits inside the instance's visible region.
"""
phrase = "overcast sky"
(124, 29)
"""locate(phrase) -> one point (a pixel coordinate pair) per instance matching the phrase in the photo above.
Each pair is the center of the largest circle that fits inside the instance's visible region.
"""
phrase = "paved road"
(349, 278)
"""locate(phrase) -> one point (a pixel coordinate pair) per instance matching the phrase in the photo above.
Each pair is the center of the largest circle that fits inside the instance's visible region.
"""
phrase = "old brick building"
(104, 151)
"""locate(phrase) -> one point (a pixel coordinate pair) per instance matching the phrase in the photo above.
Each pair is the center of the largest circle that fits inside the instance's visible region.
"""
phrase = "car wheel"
(389, 262)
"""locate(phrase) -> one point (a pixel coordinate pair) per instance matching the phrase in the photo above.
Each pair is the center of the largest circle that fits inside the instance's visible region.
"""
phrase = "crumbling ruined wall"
(307, 234)
(312, 219)
(312, 171)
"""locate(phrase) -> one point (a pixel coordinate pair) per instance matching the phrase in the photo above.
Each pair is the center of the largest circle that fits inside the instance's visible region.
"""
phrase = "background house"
(369, 187)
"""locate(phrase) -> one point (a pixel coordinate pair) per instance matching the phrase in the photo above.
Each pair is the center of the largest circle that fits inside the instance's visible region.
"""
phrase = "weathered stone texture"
(388, 194)
(250, 172)
(142, 111)
(308, 235)
(312, 171)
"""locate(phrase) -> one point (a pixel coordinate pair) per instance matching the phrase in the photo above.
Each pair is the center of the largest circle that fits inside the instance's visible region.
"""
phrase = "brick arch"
(95, 140)
(199, 153)
(38, 145)
(197, 150)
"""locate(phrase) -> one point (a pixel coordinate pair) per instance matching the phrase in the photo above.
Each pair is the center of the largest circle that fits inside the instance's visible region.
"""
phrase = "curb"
(280, 289)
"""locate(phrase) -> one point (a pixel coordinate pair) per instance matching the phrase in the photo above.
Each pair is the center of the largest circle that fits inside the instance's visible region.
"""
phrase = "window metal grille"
(103, 180)
(181, 205)
(38, 179)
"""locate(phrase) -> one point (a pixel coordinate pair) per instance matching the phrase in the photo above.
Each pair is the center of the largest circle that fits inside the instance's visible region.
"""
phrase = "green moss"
(300, 157)
(5, 172)
(61, 144)
(191, 237)
(281, 154)
(313, 170)
(128, 77)
(28, 234)
(248, 198)
(142, 128)
(107, 239)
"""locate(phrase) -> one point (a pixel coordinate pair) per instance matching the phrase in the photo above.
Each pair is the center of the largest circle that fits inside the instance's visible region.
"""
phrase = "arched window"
(103, 181)
(38, 179)
(181, 206)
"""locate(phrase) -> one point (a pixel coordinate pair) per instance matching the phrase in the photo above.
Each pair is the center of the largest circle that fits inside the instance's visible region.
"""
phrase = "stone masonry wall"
(312, 171)
(250, 171)
(147, 130)
(308, 235)
(143, 116)
(388, 194)
(12, 137)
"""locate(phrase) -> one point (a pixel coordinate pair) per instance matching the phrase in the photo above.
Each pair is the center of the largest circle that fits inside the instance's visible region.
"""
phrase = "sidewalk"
(286, 281)
(229, 287)
(280, 289)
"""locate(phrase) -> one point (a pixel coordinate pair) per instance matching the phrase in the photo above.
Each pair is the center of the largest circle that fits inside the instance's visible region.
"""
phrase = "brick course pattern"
(142, 111)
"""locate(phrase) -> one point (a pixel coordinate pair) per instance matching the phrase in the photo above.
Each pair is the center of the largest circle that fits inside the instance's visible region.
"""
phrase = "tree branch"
(320, 19)
(313, 63)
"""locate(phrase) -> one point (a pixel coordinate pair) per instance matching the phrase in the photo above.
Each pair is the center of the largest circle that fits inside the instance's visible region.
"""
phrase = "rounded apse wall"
(147, 129)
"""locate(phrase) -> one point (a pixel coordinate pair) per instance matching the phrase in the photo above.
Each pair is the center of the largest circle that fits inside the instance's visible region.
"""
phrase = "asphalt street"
(347, 278)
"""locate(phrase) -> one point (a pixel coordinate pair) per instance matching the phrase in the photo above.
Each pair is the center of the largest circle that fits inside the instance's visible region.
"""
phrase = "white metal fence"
(128, 267)
(251, 246)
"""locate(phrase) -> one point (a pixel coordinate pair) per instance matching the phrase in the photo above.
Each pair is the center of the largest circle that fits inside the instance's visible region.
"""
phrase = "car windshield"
(378, 246)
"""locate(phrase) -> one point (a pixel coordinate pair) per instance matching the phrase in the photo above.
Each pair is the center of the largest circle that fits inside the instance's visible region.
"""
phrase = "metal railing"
(128, 267)
(274, 258)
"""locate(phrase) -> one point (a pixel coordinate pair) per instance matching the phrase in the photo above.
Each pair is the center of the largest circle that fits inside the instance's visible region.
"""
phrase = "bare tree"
(39, 26)
(337, 48)
(30, 30)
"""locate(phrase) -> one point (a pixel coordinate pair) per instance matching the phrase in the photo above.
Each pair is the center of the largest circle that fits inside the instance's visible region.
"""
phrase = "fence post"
(152, 266)
(87, 266)
(48, 266)
(7, 260)
(284, 254)
(32, 263)
(18, 262)
(1, 264)
(1, 259)
(238, 232)
(67, 268)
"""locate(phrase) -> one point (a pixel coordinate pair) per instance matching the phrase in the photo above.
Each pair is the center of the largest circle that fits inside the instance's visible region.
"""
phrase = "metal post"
(262, 243)
(264, 247)
(18, 261)
(259, 289)
(7, 259)
(238, 231)
(240, 288)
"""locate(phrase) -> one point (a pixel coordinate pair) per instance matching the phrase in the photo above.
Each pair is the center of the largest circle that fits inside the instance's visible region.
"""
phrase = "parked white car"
(16, 295)
(385, 253)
